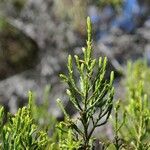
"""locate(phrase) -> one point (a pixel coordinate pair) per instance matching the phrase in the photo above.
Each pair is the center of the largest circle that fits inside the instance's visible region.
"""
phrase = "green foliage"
(1, 119)
(132, 128)
(93, 97)
(118, 124)
(20, 132)
(43, 117)
(41, 112)
(2, 23)
(136, 129)
(138, 119)
(66, 138)
(113, 3)
(17, 5)
(138, 71)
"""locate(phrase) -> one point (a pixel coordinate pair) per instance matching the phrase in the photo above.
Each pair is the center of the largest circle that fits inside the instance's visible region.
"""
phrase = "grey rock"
(14, 91)
(147, 53)
(144, 33)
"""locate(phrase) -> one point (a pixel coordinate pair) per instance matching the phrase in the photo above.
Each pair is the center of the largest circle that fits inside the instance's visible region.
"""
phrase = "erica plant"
(91, 95)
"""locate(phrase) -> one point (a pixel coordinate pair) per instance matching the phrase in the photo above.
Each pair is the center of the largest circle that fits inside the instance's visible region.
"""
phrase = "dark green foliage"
(113, 3)
(102, 3)
(1, 119)
(93, 97)
(118, 143)
(16, 5)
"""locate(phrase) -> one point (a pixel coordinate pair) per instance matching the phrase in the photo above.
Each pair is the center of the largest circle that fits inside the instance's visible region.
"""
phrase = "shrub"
(20, 132)
(132, 117)
(92, 98)
(136, 129)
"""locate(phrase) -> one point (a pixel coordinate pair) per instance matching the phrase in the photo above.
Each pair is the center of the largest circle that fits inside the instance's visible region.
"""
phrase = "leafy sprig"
(92, 96)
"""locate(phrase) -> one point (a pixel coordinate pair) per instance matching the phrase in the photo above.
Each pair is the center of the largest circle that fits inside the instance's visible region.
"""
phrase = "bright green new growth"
(132, 120)
(21, 133)
(138, 119)
(137, 125)
(92, 96)
(66, 138)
